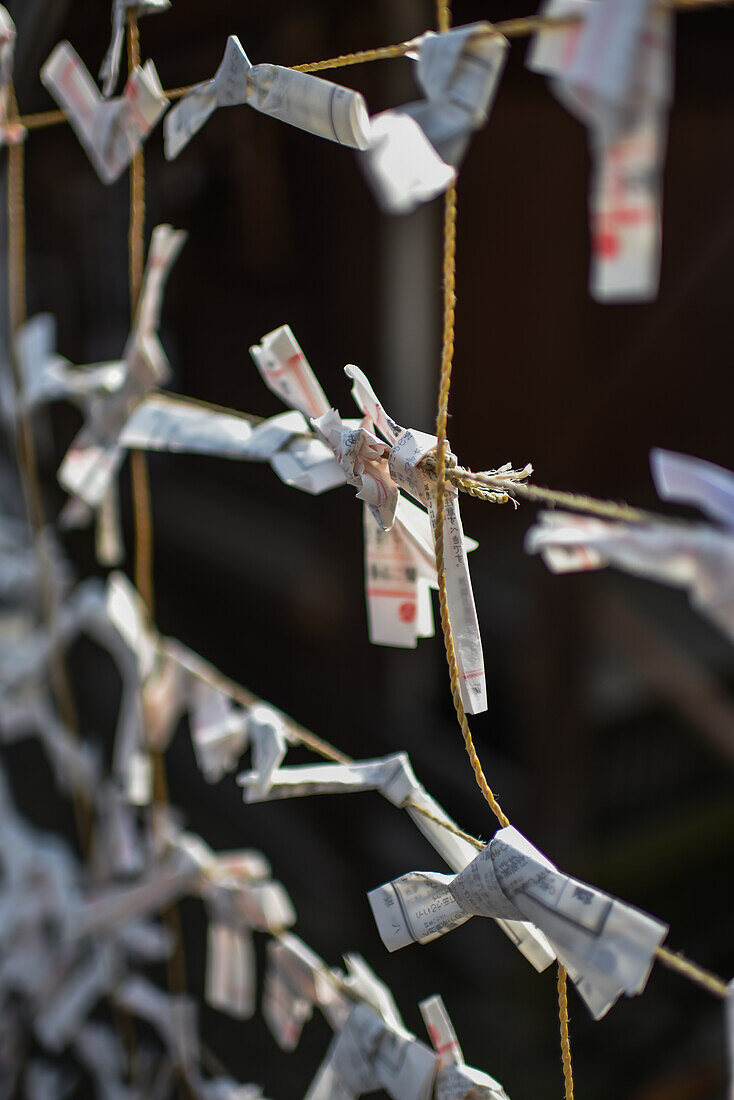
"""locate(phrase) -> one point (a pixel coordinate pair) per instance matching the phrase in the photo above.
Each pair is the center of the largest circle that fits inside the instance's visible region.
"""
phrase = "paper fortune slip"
(415, 149)
(110, 130)
(400, 561)
(96, 453)
(368, 1054)
(607, 947)
(696, 557)
(394, 778)
(319, 106)
(614, 72)
(454, 1079)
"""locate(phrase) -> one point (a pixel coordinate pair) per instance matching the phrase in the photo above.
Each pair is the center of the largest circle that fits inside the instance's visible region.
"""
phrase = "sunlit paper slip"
(400, 566)
(694, 556)
(416, 149)
(110, 130)
(408, 449)
(614, 72)
(607, 947)
(454, 1079)
(394, 778)
(318, 106)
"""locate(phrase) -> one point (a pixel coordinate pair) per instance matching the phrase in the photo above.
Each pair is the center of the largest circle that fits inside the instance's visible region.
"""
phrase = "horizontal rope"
(521, 27)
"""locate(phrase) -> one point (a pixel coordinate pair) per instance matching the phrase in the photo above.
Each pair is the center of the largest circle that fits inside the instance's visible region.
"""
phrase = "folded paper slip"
(319, 106)
(416, 149)
(607, 946)
(614, 73)
(110, 130)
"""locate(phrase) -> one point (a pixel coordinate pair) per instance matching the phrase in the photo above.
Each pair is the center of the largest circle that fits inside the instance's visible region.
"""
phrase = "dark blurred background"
(610, 734)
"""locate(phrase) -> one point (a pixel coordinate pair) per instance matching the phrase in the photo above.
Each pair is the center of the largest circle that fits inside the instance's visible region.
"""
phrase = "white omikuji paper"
(607, 947)
(454, 1079)
(296, 981)
(408, 448)
(686, 480)
(110, 130)
(49, 377)
(96, 453)
(415, 149)
(696, 557)
(163, 423)
(368, 1054)
(319, 106)
(400, 563)
(614, 72)
(394, 778)
(110, 67)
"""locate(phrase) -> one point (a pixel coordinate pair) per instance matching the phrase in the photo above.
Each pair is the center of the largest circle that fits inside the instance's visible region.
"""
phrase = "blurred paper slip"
(162, 423)
(218, 730)
(111, 130)
(286, 371)
(415, 149)
(368, 1054)
(230, 971)
(95, 454)
(49, 377)
(607, 946)
(10, 132)
(613, 70)
(691, 556)
(66, 1010)
(687, 480)
(319, 106)
(296, 980)
(110, 68)
(454, 1079)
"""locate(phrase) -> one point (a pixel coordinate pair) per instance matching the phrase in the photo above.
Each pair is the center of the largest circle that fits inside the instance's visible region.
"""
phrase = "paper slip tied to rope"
(394, 778)
(400, 561)
(110, 130)
(607, 947)
(410, 154)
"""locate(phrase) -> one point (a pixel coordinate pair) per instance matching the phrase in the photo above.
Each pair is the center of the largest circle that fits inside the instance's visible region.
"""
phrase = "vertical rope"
(565, 1039)
(447, 359)
(142, 509)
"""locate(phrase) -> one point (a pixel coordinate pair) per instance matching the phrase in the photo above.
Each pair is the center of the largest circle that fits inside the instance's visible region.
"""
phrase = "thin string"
(521, 27)
(562, 987)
